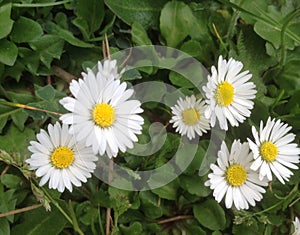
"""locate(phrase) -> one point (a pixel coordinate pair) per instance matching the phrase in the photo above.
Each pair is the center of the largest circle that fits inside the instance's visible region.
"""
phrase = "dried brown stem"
(28, 208)
(179, 217)
(5, 170)
(61, 73)
(108, 210)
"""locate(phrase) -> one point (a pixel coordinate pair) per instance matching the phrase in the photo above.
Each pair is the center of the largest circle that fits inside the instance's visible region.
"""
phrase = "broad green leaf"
(5, 113)
(30, 59)
(8, 52)
(143, 11)
(66, 35)
(150, 204)
(175, 20)
(46, 93)
(49, 47)
(134, 229)
(194, 184)
(4, 227)
(168, 191)
(26, 30)
(14, 71)
(38, 221)
(90, 15)
(17, 141)
(210, 214)
(6, 23)
(246, 229)
(8, 203)
(10, 181)
(19, 118)
(139, 35)
(179, 80)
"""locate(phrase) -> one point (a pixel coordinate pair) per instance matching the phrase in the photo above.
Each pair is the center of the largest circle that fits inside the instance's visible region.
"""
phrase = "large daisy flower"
(296, 226)
(59, 159)
(273, 150)
(229, 94)
(102, 114)
(233, 178)
(188, 117)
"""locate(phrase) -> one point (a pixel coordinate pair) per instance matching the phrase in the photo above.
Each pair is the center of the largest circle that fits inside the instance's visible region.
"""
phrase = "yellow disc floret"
(268, 151)
(104, 115)
(62, 157)
(190, 117)
(236, 175)
(224, 94)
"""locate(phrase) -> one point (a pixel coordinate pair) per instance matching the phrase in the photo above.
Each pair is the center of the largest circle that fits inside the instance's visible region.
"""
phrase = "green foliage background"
(41, 39)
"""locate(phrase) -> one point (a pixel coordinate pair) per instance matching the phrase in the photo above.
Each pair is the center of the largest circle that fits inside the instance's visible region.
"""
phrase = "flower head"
(296, 226)
(59, 159)
(188, 117)
(229, 94)
(109, 69)
(233, 177)
(102, 114)
(273, 150)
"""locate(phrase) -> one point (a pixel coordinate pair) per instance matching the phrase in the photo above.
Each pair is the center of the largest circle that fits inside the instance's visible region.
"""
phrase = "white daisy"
(233, 177)
(188, 117)
(59, 159)
(109, 69)
(274, 151)
(296, 226)
(228, 94)
(101, 113)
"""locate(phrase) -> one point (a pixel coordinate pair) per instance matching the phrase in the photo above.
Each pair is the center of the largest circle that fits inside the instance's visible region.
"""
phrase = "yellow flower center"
(62, 157)
(190, 116)
(268, 151)
(104, 115)
(236, 175)
(224, 94)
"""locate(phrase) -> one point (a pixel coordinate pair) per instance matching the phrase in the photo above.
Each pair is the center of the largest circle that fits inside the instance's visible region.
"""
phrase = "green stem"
(100, 222)
(74, 219)
(283, 30)
(55, 203)
(47, 4)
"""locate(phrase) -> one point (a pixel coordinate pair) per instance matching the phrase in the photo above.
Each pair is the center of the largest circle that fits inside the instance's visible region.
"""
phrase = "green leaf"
(90, 15)
(194, 184)
(10, 181)
(179, 80)
(210, 214)
(38, 221)
(175, 20)
(46, 93)
(26, 30)
(49, 47)
(168, 191)
(139, 35)
(6, 23)
(150, 204)
(16, 141)
(134, 229)
(4, 227)
(143, 11)
(66, 35)
(8, 52)
(19, 118)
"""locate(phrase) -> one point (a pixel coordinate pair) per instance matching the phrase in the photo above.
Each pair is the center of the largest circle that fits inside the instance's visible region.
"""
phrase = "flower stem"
(24, 106)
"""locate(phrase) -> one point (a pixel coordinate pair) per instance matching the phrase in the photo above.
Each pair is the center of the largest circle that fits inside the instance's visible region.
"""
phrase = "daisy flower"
(229, 94)
(188, 117)
(102, 114)
(109, 69)
(273, 150)
(59, 159)
(296, 226)
(233, 178)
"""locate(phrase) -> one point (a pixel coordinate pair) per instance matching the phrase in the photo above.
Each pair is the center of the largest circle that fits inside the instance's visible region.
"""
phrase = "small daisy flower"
(109, 69)
(296, 226)
(233, 178)
(59, 159)
(229, 94)
(102, 114)
(273, 150)
(188, 117)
